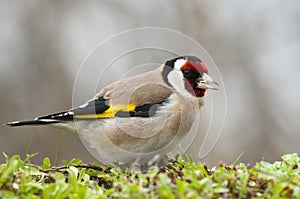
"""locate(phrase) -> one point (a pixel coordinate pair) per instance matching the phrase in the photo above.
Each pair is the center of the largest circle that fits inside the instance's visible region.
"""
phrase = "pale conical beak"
(206, 82)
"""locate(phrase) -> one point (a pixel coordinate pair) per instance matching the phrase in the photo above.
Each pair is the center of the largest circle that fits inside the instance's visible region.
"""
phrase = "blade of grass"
(238, 158)
(185, 155)
(29, 144)
(57, 156)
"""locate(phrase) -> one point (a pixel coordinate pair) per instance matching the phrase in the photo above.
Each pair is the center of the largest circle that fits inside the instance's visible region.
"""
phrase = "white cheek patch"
(175, 78)
(179, 63)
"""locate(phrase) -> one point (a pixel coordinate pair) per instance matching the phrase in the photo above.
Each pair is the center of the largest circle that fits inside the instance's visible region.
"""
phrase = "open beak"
(206, 82)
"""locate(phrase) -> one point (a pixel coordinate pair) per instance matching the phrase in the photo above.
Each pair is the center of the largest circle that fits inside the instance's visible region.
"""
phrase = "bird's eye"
(186, 73)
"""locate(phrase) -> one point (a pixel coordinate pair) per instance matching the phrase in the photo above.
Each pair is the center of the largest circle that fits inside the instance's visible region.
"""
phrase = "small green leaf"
(64, 162)
(46, 163)
(75, 161)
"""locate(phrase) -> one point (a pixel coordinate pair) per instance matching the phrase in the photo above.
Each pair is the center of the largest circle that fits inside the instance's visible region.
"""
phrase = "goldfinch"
(135, 119)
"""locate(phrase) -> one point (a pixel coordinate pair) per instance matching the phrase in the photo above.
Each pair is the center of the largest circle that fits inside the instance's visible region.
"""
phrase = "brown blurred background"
(254, 43)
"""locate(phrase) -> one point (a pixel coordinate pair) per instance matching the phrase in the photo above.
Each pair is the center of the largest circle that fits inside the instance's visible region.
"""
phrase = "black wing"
(145, 110)
(94, 107)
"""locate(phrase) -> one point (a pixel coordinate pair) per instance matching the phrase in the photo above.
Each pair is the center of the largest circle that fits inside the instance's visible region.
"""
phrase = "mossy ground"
(181, 179)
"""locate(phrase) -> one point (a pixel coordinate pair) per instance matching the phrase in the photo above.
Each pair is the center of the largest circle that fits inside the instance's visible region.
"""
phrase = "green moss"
(181, 179)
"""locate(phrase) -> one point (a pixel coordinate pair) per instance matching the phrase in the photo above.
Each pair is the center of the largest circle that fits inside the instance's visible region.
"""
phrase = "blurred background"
(255, 45)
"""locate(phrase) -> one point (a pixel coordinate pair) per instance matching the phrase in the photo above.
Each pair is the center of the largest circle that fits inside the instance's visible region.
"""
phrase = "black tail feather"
(32, 122)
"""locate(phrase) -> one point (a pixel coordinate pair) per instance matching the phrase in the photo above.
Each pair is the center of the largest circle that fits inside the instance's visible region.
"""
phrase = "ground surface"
(181, 179)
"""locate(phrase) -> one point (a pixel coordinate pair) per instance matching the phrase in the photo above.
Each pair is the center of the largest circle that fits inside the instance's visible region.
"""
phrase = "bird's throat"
(193, 90)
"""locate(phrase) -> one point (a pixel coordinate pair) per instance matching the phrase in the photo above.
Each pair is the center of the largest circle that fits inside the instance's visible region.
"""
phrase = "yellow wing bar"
(110, 112)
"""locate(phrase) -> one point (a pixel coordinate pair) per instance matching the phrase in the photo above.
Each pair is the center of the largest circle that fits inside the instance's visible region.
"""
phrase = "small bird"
(138, 118)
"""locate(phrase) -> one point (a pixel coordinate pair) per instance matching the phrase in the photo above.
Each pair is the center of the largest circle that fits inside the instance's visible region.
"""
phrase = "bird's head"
(188, 75)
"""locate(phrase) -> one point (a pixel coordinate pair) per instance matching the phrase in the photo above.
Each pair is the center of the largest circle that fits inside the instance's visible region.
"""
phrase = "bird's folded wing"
(99, 109)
